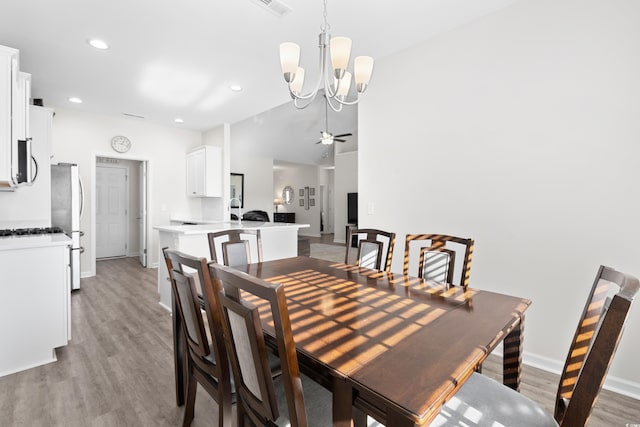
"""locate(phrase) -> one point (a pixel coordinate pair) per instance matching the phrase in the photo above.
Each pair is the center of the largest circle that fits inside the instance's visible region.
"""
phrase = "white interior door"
(111, 212)
(142, 213)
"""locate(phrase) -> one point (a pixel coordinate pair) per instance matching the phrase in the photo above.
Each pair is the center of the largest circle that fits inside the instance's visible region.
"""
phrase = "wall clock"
(120, 143)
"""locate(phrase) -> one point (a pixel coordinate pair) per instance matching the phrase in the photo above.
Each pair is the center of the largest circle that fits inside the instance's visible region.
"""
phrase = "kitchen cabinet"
(8, 86)
(15, 144)
(35, 300)
(204, 172)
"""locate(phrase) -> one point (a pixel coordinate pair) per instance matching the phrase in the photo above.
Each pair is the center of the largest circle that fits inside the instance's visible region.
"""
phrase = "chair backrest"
(375, 248)
(183, 271)
(437, 257)
(233, 247)
(594, 345)
(247, 350)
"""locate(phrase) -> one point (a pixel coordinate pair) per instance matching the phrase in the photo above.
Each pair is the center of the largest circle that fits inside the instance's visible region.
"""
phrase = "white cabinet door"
(204, 172)
(8, 87)
(195, 173)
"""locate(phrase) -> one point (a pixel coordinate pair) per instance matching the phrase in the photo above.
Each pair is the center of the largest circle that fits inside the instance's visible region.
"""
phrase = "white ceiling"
(171, 59)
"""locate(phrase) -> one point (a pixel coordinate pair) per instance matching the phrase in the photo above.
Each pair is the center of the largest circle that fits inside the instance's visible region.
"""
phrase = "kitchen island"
(35, 299)
(279, 240)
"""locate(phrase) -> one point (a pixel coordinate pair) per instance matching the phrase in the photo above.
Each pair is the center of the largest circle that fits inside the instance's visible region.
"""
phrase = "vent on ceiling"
(276, 7)
(137, 116)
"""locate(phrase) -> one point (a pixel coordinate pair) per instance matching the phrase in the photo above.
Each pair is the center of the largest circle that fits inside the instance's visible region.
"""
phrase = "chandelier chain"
(325, 26)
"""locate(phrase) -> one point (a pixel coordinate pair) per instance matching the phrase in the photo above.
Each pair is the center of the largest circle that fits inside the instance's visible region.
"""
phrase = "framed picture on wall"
(312, 202)
(301, 193)
(301, 202)
(312, 191)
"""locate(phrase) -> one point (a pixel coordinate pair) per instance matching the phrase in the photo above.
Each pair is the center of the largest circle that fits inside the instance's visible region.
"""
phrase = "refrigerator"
(67, 203)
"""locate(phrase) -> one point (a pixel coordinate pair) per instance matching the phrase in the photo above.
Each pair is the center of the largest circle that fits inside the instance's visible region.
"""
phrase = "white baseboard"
(153, 265)
(165, 307)
(85, 274)
(612, 383)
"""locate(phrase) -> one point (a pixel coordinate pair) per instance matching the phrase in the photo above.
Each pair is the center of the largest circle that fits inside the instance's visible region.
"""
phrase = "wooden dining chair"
(437, 257)
(206, 358)
(261, 400)
(375, 248)
(233, 247)
(590, 355)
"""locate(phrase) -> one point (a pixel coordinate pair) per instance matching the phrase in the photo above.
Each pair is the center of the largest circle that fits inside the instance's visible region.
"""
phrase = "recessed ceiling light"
(179, 120)
(236, 88)
(75, 100)
(98, 44)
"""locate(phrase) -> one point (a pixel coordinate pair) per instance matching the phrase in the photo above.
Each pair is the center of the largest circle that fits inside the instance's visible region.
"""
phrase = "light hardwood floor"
(118, 369)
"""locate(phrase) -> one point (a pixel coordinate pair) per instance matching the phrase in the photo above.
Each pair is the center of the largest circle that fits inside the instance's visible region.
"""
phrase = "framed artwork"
(301, 193)
(312, 192)
(312, 202)
(301, 202)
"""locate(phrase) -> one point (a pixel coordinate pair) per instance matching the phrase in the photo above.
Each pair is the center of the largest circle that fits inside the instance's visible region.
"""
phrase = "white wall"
(81, 137)
(346, 181)
(521, 131)
(299, 176)
(215, 208)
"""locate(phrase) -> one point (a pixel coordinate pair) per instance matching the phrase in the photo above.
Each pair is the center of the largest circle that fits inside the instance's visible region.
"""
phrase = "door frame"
(127, 198)
(94, 163)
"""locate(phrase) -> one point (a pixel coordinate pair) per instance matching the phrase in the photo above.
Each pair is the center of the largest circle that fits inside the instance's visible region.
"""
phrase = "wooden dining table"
(391, 346)
(395, 347)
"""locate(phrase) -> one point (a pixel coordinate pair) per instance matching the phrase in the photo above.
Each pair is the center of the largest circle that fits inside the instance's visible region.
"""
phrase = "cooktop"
(29, 231)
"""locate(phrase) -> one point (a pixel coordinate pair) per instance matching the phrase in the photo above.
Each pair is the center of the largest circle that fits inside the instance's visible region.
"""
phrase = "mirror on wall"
(237, 190)
(287, 195)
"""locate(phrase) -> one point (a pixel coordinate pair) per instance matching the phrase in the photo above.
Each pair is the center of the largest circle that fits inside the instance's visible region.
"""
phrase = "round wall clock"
(121, 144)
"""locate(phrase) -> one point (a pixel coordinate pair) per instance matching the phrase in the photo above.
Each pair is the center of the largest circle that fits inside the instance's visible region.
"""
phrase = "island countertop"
(228, 225)
(279, 240)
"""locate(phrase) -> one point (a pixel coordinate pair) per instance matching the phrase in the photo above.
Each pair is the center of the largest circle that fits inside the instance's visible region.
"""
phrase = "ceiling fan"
(327, 138)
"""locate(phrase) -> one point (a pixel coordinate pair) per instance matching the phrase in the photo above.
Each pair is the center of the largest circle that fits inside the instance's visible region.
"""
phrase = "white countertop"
(33, 241)
(227, 225)
(196, 220)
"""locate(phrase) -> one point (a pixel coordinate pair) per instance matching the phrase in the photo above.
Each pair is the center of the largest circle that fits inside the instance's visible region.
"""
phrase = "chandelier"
(333, 76)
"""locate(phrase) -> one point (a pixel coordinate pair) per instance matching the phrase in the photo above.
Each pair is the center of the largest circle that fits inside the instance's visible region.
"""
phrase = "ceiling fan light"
(297, 82)
(363, 68)
(289, 59)
(340, 48)
(342, 86)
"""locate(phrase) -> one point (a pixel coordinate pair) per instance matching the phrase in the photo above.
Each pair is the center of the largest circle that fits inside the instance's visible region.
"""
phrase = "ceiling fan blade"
(339, 140)
(344, 134)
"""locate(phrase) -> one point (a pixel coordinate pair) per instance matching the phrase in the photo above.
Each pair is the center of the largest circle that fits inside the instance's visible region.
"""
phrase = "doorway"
(119, 211)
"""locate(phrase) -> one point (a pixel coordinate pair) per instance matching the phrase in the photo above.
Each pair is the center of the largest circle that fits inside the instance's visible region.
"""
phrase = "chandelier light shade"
(334, 77)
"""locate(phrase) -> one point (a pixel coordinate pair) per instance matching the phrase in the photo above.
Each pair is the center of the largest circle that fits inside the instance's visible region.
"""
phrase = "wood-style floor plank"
(118, 369)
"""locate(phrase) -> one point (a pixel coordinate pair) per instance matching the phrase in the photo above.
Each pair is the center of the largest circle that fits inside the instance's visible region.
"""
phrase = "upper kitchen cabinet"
(204, 172)
(15, 141)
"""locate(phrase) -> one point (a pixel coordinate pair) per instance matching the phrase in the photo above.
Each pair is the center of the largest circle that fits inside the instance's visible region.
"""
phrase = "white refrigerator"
(66, 210)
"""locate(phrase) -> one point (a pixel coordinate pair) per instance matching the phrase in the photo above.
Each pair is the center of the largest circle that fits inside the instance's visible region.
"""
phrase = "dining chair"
(233, 247)
(375, 248)
(590, 355)
(207, 362)
(437, 257)
(261, 398)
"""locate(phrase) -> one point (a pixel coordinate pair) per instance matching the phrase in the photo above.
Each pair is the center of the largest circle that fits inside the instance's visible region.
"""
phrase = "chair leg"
(224, 409)
(239, 412)
(359, 418)
(192, 387)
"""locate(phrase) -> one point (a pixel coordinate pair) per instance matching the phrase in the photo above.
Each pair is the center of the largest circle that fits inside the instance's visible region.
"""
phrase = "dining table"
(390, 346)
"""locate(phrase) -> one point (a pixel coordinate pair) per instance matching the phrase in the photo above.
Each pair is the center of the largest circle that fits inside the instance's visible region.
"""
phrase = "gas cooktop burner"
(30, 231)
